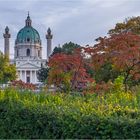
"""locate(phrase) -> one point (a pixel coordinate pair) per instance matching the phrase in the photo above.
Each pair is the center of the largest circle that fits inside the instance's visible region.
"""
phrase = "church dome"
(28, 34)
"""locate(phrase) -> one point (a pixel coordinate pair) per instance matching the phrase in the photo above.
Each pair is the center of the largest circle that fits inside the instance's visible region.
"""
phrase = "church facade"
(28, 51)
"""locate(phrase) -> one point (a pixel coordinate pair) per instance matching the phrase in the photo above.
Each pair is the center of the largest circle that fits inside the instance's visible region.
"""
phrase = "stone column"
(6, 36)
(31, 80)
(20, 77)
(49, 42)
(35, 77)
(25, 76)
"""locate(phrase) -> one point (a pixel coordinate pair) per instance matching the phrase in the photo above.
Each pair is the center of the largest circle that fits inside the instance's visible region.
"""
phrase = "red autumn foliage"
(98, 88)
(73, 64)
(20, 84)
(121, 50)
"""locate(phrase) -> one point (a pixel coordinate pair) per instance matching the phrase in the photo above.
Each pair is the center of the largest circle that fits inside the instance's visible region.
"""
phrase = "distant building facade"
(28, 51)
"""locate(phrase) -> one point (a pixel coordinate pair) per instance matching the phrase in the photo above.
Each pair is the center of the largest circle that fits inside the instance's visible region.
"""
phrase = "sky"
(79, 21)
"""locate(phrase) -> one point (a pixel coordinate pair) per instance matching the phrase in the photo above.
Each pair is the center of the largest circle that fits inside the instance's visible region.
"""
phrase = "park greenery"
(113, 115)
(97, 96)
(7, 70)
(73, 67)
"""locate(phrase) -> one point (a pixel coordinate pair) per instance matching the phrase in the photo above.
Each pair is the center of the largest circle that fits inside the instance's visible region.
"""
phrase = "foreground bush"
(28, 115)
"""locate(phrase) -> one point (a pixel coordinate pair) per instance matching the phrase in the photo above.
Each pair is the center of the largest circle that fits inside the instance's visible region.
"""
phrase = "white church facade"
(28, 51)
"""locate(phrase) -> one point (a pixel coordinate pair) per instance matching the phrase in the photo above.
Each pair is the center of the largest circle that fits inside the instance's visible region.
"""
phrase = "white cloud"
(80, 21)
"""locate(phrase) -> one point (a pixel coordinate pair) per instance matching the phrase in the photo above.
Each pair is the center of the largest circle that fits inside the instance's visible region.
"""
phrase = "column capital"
(6, 34)
(49, 34)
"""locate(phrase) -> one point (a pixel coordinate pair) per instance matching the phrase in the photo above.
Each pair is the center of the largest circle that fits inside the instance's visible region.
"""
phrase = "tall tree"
(67, 48)
(122, 51)
(129, 25)
(67, 71)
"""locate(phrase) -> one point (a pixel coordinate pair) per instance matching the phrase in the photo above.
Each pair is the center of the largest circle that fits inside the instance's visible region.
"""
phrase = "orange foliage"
(98, 88)
(121, 50)
(20, 84)
(68, 64)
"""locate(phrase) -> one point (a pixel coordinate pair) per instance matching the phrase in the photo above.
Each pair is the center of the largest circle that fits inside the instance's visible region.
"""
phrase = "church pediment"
(28, 65)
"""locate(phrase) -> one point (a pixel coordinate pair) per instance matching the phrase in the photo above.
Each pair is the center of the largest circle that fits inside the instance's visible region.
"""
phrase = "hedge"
(60, 116)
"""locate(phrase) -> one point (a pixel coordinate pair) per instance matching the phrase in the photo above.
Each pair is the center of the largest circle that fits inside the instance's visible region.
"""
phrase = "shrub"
(22, 85)
(60, 116)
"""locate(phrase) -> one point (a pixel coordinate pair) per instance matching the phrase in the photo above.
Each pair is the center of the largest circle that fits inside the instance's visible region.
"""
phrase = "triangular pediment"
(28, 65)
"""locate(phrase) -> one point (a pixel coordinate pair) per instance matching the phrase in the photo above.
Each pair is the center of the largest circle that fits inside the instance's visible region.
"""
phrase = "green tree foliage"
(67, 48)
(129, 25)
(106, 73)
(7, 70)
(42, 74)
(57, 50)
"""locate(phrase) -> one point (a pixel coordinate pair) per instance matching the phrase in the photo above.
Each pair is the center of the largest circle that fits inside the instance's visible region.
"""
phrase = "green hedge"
(58, 116)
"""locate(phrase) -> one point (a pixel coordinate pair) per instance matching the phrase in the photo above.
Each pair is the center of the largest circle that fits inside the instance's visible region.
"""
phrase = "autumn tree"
(122, 51)
(129, 25)
(67, 71)
(106, 71)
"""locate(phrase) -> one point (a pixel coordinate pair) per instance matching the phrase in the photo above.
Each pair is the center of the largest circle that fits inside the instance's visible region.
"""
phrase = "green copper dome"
(28, 34)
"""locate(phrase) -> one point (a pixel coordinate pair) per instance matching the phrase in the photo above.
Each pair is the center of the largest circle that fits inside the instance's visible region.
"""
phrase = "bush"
(60, 116)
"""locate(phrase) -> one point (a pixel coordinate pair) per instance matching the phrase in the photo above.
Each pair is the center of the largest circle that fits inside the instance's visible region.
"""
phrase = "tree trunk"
(125, 81)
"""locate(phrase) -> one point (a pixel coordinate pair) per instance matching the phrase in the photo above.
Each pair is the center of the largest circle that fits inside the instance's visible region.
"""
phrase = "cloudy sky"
(79, 21)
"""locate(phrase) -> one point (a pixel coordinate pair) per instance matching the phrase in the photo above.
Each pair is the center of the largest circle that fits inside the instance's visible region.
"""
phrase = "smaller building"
(28, 51)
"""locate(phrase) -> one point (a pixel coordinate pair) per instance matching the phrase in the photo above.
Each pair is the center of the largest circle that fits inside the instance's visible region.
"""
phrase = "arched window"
(28, 52)
(28, 39)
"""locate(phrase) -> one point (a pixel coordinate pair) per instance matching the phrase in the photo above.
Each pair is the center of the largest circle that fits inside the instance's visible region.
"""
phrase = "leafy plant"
(59, 116)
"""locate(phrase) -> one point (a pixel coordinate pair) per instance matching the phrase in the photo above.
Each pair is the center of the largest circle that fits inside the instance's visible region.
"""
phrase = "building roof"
(28, 34)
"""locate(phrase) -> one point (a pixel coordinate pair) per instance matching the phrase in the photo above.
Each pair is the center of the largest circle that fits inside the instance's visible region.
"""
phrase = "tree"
(129, 25)
(7, 70)
(42, 74)
(122, 51)
(56, 50)
(106, 73)
(67, 71)
(67, 48)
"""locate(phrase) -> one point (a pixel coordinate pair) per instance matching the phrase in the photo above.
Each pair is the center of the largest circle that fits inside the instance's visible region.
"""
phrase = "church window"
(28, 52)
(28, 39)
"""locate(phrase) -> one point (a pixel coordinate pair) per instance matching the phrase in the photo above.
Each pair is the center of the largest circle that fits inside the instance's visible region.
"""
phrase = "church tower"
(49, 42)
(28, 42)
(6, 36)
